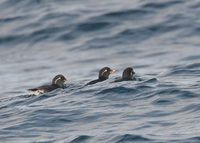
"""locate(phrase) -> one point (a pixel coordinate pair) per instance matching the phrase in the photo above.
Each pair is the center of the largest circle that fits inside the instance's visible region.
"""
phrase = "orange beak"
(112, 71)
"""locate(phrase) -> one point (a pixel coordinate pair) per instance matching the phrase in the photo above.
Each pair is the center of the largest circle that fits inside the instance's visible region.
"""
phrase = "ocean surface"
(42, 38)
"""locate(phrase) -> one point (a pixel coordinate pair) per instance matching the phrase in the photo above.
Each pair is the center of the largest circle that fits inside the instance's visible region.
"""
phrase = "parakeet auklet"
(128, 74)
(57, 82)
(103, 75)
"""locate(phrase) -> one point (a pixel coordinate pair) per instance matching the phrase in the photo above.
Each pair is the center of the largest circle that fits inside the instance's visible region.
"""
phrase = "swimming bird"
(103, 75)
(57, 82)
(128, 74)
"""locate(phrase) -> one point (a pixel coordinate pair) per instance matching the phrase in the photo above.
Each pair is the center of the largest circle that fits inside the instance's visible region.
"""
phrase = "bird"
(103, 75)
(127, 75)
(57, 82)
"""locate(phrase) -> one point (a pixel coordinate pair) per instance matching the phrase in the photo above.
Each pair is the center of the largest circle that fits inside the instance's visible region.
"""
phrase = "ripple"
(191, 58)
(12, 39)
(140, 34)
(118, 90)
(163, 102)
(89, 27)
(193, 66)
(11, 19)
(192, 108)
(81, 139)
(130, 138)
(162, 5)
(182, 72)
(127, 13)
(178, 93)
(152, 80)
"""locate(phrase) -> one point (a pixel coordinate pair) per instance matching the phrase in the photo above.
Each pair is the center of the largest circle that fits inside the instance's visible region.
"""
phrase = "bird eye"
(132, 73)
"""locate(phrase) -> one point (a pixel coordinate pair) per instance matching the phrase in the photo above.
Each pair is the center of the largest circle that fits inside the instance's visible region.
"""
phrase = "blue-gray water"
(42, 38)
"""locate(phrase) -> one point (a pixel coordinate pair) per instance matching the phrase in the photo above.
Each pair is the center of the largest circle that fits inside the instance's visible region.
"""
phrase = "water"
(160, 39)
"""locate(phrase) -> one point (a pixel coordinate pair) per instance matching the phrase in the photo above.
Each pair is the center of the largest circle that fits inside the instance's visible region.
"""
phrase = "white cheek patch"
(57, 80)
(104, 72)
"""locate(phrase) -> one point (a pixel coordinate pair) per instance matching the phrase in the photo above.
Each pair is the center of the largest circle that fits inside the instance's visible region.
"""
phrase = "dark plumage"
(128, 74)
(103, 75)
(57, 82)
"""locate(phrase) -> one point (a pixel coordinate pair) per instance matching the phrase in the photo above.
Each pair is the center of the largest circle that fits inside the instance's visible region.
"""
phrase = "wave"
(131, 138)
(81, 138)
